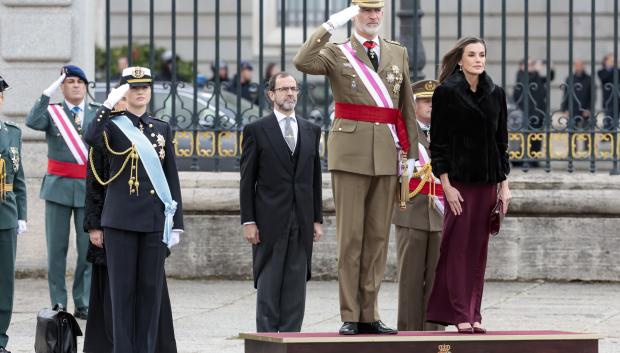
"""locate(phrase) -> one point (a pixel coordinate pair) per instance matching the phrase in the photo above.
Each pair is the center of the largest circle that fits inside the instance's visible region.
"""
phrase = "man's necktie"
(76, 115)
(289, 137)
(374, 59)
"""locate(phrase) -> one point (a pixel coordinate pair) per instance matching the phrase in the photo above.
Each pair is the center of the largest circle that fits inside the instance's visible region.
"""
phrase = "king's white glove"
(410, 167)
(21, 227)
(341, 18)
(54, 86)
(115, 96)
(175, 238)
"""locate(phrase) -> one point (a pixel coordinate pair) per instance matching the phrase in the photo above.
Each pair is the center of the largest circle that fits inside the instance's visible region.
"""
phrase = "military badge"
(14, 153)
(138, 72)
(429, 85)
(161, 142)
(394, 78)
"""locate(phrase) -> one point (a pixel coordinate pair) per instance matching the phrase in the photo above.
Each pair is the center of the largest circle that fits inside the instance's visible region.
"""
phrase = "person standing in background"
(64, 186)
(12, 214)
(418, 227)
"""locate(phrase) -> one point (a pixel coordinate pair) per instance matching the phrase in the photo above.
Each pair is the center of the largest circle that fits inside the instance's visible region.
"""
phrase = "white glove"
(341, 18)
(21, 227)
(410, 166)
(115, 96)
(54, 86)
(175, 237)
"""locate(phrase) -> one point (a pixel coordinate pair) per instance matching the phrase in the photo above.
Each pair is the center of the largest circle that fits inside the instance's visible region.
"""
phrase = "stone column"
(38, 37)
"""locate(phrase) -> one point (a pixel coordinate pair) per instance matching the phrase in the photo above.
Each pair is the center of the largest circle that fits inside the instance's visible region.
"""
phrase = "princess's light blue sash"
(152, 165)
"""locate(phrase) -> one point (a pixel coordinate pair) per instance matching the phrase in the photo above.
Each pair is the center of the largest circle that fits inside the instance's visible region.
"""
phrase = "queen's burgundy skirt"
(459, 278)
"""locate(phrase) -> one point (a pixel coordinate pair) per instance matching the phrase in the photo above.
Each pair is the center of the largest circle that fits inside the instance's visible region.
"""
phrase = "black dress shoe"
(79, 314)
(349, 328)
(3, 350)
(376, 327)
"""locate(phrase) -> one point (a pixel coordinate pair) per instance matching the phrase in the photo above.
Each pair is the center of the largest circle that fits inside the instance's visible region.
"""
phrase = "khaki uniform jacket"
(357, 146)
(65, 191)
(418, 214)
(13, 207)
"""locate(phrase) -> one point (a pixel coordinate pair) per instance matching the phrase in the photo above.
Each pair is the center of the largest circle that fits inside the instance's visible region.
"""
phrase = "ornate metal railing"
(209, 121)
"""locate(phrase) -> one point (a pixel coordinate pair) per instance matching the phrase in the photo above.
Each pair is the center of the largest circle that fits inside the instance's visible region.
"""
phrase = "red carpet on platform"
(424, 342)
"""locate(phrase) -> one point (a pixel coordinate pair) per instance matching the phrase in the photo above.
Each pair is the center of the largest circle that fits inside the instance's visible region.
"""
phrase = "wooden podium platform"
(424, 342)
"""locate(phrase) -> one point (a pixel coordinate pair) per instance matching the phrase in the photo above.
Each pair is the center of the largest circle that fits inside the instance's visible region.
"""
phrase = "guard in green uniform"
(12, 214)
(64, 187)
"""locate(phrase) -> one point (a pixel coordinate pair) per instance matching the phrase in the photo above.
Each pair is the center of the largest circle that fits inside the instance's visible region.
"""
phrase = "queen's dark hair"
(450, 61)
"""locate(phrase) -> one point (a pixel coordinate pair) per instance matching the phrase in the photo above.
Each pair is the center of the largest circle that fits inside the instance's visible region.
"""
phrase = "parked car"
(206, 108)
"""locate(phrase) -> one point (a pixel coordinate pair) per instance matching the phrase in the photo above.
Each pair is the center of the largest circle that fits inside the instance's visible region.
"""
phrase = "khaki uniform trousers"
(417, 252)
(364, 205)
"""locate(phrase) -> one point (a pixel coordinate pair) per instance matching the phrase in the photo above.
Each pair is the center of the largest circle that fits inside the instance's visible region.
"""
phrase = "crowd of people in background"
(580, 105)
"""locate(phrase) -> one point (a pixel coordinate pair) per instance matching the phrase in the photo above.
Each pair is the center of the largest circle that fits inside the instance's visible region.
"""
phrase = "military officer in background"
(63, 186)
(12, 214)
(142, 212)
(368, 139)
(418, 227)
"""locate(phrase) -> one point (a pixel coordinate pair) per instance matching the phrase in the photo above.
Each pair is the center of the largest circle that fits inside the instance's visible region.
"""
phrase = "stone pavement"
(209, 314)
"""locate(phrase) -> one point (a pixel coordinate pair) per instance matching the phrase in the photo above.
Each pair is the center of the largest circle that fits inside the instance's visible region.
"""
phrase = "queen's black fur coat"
(469, 134)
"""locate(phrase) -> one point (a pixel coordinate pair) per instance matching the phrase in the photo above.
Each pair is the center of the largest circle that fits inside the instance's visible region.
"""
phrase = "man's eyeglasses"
(293, 89)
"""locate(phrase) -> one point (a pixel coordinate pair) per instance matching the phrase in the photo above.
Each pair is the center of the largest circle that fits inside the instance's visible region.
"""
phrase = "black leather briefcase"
(57, 331)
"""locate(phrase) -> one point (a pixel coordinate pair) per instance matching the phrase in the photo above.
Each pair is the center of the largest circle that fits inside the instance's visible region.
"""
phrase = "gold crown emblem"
(138, 72)
(430, 86)
(444, 348)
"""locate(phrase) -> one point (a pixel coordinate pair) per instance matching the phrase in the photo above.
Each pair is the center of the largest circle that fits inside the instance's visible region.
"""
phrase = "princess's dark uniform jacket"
(469, 137)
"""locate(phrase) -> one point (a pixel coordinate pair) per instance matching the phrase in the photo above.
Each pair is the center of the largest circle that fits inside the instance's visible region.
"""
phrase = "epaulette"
(346, 41)
(57, 103)
(10, 123)
(117, 112)
(158, 118)
(94, 104)
(394, 42)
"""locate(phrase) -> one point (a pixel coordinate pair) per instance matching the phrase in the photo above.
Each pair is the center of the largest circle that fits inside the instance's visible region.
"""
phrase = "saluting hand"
(341, 18)
(115, 96)
(250, 233)
(54, 86)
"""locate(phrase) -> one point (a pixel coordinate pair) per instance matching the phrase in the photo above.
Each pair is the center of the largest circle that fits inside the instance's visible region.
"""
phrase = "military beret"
(74, 71)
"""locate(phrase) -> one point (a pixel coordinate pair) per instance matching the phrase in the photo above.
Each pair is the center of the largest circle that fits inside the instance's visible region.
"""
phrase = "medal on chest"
(14, 154)
(395, 78)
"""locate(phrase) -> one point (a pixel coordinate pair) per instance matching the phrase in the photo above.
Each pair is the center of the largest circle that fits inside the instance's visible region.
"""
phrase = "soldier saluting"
(12, 214)
(141, 206)
(418, 227)
(369, 76)
(64, 183)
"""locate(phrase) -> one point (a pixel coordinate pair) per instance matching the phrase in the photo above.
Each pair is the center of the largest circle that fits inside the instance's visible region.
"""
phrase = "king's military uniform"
(136, 217)
(363, 154)
(63, 189)
(418, 233)
(12, 210)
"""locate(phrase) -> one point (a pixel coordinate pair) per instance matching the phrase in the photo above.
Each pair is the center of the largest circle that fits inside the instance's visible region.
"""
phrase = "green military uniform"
(363, 160)
(418, 239)
(12, 209)
(63, 196)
